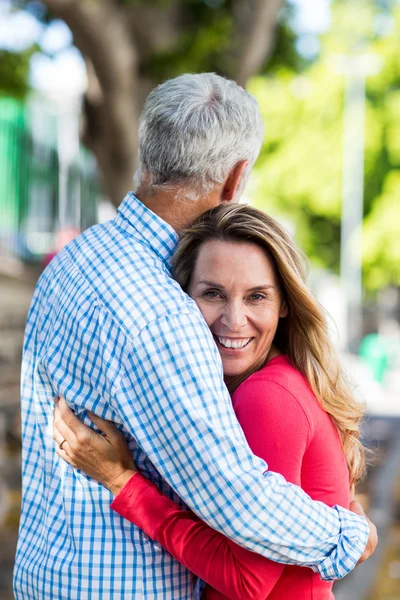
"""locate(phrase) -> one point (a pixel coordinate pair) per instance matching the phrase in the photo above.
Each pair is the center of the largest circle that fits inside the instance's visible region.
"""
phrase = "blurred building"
(48, 182)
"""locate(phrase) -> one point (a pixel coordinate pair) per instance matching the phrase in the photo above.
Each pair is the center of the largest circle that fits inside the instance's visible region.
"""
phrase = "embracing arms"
(181, 416)
(233, 571)
(280, 438)
(167, 391)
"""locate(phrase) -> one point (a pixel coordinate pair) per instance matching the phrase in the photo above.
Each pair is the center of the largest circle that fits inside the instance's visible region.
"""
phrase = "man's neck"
(177, 211)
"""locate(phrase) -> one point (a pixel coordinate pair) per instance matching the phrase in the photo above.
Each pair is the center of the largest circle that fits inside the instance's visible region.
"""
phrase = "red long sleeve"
(278, 430)
(235, 572)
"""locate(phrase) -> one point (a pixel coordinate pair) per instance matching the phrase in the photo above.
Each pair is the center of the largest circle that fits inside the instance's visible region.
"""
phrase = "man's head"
(197, 132)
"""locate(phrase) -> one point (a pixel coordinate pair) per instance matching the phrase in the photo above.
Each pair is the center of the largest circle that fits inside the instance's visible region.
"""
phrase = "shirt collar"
(139, 221)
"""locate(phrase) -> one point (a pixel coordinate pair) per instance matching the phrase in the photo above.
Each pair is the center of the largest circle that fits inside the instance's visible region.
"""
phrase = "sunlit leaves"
(299, 173)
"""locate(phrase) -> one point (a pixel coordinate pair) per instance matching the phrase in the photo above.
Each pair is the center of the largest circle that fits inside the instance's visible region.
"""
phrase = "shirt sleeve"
(172, 399)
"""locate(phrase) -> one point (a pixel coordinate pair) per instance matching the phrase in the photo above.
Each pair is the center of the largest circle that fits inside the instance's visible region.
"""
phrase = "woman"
(289, 394)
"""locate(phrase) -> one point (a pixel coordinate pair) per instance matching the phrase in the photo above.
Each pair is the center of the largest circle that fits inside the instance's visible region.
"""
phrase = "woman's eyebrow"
(267, 286)
(253, 289)
(211, 283)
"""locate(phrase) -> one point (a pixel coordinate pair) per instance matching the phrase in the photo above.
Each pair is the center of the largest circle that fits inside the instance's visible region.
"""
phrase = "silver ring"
(60, 445)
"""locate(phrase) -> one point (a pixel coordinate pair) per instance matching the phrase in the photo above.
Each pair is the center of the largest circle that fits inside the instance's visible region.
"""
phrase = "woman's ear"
(284, 311)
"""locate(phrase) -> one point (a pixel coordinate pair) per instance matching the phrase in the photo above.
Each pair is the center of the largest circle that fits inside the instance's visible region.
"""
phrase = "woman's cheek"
(209, 311)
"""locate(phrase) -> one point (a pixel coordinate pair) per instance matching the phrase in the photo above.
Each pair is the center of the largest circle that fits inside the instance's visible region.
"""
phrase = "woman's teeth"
(230, 343)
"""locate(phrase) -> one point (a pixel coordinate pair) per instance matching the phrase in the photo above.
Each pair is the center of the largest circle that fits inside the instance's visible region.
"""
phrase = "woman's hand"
(106, 458)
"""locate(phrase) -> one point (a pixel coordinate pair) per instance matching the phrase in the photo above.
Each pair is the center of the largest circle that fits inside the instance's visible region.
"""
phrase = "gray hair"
(193, 130)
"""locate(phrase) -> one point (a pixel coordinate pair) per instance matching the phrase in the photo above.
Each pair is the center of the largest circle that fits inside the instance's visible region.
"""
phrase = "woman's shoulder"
(268, 402)
(281, 371)
(281, 381)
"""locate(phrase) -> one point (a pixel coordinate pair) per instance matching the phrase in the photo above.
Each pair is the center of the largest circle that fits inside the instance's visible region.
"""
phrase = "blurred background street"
(73, 78)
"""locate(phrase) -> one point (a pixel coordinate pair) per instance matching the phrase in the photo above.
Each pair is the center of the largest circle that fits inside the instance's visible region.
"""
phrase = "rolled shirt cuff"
(353, 538)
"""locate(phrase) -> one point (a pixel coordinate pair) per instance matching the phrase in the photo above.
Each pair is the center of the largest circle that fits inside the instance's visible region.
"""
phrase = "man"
(111, 331)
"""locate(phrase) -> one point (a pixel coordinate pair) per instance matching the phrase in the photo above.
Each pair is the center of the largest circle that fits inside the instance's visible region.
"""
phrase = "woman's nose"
(234, 317)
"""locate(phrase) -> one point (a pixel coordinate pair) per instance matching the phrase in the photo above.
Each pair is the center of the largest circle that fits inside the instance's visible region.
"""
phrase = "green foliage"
(285, 53)
(382, 236)
(199, 51)
(14, 73)
(206, 40)
(299, 173)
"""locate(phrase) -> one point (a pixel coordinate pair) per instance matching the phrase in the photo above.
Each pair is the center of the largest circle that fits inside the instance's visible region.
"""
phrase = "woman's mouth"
(232, 343)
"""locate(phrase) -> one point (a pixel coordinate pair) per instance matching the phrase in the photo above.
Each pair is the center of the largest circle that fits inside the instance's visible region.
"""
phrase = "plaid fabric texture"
(114, 333)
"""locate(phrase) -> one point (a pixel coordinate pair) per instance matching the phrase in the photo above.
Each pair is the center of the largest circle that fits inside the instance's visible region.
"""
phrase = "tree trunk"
(255, 24)
(110, 106)
(116, 40)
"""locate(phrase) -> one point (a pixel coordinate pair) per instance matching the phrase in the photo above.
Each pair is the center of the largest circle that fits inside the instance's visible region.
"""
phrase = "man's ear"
(233, 180)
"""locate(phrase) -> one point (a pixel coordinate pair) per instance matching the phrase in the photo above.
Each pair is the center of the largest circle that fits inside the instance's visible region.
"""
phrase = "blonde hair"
(303, 334)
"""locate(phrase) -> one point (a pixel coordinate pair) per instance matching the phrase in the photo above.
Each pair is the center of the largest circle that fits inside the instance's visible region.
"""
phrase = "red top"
(286, 426)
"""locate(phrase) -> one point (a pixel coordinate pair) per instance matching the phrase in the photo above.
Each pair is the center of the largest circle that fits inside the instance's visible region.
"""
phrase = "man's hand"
(373, 535)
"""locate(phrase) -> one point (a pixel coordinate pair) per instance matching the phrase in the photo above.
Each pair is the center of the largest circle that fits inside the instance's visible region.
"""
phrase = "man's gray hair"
(193, 130)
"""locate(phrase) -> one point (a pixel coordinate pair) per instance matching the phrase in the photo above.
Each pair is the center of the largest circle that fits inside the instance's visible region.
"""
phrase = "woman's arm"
(232, 570)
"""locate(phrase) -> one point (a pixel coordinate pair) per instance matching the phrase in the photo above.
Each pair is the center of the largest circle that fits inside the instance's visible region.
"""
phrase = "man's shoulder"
(119, 274)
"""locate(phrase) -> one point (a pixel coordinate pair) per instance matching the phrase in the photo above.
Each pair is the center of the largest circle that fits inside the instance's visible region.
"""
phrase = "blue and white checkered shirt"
(114, 333)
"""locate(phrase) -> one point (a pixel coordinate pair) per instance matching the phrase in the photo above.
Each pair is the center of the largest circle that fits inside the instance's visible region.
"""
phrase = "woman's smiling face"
(236, 288)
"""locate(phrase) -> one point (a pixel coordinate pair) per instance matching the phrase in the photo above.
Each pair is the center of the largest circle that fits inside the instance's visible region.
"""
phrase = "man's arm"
(172, 400)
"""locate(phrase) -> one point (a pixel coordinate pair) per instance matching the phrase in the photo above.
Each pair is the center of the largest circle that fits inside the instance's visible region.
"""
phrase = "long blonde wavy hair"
(303, 334)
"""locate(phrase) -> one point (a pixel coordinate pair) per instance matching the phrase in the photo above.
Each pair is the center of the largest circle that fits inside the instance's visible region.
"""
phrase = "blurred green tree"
(131, 45)
(14, 73)
(299, 173)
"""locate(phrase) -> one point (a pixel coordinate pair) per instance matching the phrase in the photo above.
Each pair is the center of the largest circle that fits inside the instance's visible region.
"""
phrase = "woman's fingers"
(69, 418)
(60, 428)
(62, 452)
(106, 458)
(107, 427)
(58, 437)
(80, 440)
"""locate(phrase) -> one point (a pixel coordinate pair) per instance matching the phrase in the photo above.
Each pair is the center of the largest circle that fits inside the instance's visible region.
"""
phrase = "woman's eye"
(257, 297)
(211, 294)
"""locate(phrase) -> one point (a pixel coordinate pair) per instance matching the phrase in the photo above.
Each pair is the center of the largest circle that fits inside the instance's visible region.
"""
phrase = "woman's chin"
(234, 367)
(233, 371)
